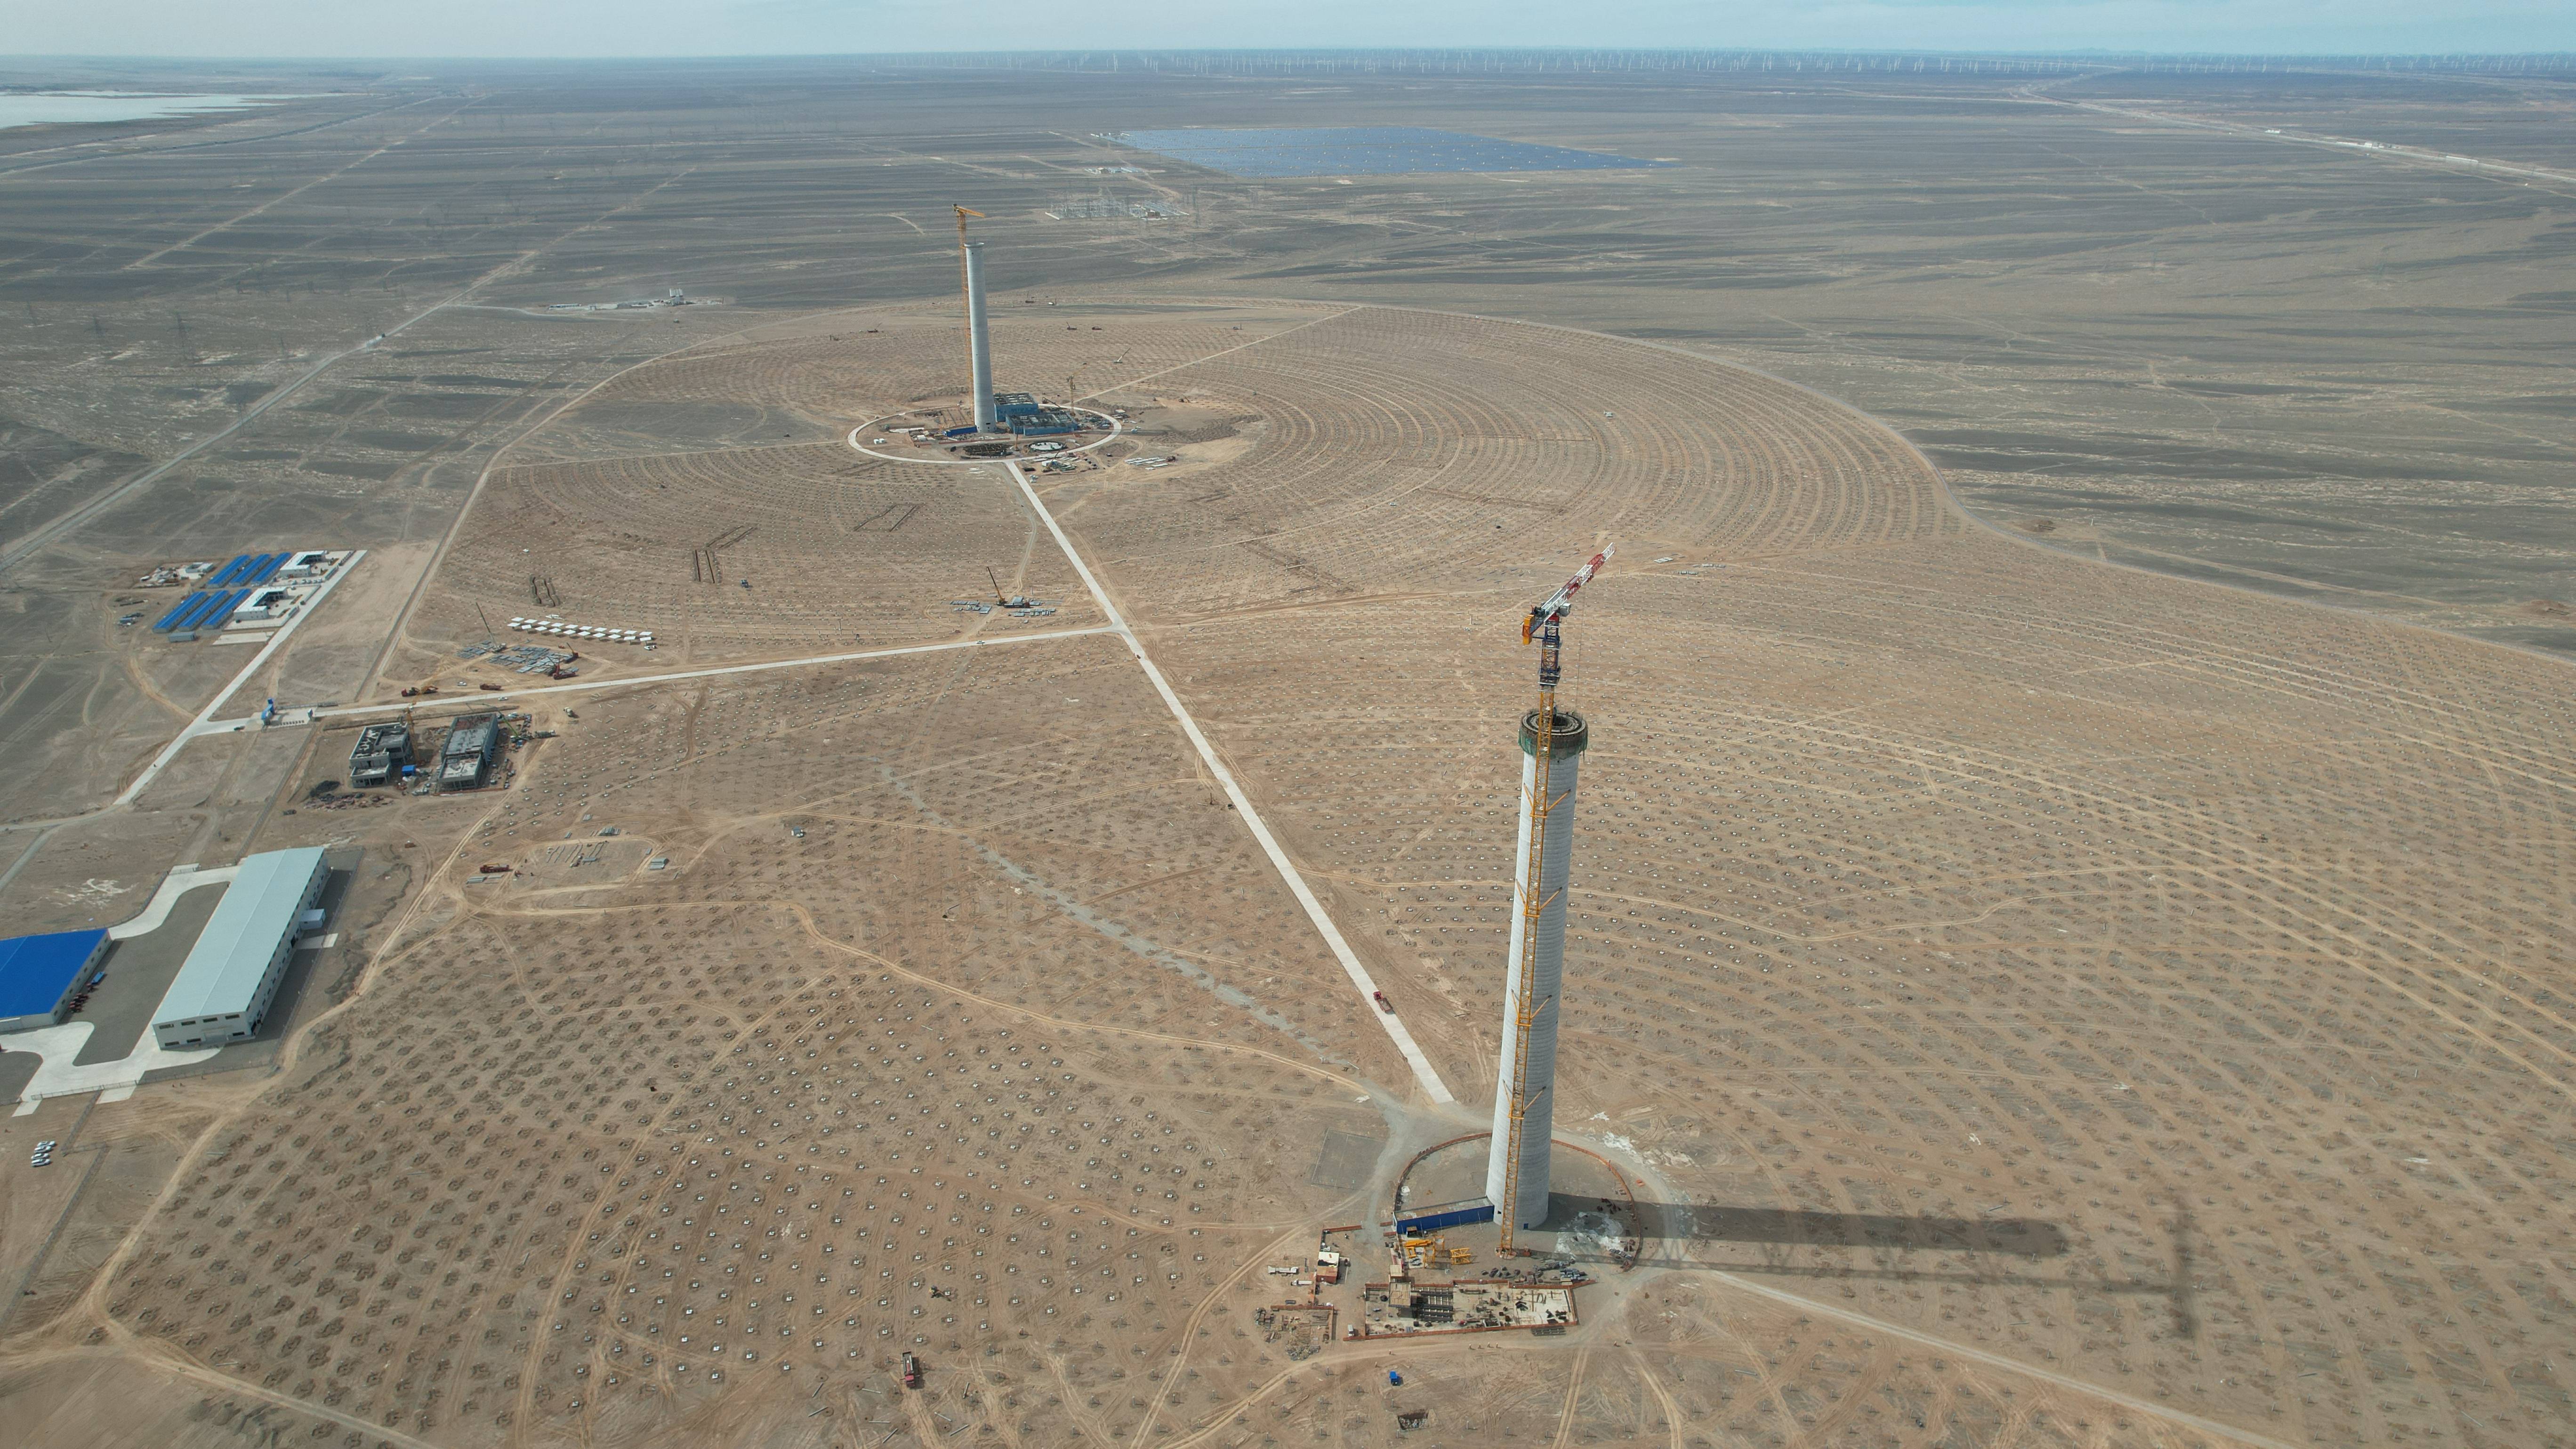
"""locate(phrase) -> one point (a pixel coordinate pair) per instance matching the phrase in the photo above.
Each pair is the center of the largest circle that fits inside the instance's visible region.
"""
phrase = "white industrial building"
(231, 975)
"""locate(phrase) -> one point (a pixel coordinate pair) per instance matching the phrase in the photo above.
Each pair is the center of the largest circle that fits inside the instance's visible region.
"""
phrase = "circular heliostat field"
(2020, 992)
(1286, 453)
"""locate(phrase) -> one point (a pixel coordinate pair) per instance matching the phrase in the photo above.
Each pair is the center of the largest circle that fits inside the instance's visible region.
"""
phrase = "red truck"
(911, 1372)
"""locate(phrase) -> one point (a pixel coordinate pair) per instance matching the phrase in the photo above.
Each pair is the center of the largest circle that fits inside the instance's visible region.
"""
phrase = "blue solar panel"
(221, 609)
(1364, 151)
(196, 612)
(183, 606)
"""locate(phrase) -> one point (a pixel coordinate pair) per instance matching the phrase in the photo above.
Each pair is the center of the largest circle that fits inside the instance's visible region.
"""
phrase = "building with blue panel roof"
(170, 620)
(222, 609)
(40, 974)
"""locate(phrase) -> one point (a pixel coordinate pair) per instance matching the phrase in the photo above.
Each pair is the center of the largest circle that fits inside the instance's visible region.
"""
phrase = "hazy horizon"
(664, 29)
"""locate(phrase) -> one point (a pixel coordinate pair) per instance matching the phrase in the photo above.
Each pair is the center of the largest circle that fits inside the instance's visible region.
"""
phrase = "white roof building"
(231, 975)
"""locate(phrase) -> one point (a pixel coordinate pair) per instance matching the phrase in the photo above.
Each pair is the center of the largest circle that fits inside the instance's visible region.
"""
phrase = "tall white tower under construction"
(1528, 1075)
(979, 339)
(1552, 744)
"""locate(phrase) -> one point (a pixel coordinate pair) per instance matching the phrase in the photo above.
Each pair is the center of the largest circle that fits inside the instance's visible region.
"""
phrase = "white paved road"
(303, 716)
(268, 651)
(1423, 1071)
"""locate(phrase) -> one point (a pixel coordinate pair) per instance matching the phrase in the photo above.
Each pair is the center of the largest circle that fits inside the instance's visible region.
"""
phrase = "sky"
(568, 28)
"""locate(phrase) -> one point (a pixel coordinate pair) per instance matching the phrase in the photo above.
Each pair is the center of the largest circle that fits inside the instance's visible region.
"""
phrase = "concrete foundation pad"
(59, 1075)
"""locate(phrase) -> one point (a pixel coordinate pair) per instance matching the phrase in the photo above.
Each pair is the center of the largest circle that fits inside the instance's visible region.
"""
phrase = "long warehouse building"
(231, 975)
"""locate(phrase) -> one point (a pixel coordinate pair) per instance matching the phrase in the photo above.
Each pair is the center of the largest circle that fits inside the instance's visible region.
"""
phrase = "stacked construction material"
(584, 631)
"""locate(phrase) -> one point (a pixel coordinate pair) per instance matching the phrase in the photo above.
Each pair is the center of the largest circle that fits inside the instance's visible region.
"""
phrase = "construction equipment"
(1014, 601)
(1544, 627)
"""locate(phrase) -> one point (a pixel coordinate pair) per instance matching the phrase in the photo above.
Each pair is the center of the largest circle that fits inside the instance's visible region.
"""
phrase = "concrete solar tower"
(1552, 745)
(979, 339)
(1527, 1078)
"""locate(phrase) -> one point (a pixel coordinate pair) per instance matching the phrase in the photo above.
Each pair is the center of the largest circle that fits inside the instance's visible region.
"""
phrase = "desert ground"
(2038, 992)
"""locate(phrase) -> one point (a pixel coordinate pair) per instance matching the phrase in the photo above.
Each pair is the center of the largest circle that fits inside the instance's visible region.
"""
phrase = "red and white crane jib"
(1563, 599)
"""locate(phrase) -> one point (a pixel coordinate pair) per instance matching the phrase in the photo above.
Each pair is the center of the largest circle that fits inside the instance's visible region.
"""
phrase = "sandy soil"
(1927, 879)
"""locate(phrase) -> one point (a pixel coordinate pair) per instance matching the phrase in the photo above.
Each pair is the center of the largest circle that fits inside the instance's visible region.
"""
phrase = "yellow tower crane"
(1542, 628)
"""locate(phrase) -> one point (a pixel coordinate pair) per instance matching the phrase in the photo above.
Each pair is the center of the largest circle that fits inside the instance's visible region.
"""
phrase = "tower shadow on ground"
(1710, 1223)
(1661, 1234)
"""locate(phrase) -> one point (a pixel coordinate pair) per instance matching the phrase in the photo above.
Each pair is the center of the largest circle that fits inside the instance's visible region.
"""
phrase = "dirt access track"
(1924, 879)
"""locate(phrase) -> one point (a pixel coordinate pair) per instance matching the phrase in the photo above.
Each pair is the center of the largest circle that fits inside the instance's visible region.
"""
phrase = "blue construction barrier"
(168, 620)
(1445, 1215)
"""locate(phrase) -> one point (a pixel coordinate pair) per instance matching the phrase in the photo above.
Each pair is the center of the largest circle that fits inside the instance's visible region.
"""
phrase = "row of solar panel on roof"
(170, 620)
(250, 568)
(216, 608)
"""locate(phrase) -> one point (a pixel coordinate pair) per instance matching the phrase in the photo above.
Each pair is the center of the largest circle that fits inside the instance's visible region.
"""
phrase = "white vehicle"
(1046, 447)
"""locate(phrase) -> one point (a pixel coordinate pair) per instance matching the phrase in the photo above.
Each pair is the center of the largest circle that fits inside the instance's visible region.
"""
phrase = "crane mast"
(1543, 627)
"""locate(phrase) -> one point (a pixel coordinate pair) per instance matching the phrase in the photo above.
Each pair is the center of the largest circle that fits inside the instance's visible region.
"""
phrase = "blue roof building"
(39, 974)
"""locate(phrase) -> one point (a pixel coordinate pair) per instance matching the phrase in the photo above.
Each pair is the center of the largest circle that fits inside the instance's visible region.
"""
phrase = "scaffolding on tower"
(1543, 627)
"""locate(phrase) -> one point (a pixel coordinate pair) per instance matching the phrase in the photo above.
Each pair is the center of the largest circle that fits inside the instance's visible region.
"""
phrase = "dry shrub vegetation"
(1924, 876)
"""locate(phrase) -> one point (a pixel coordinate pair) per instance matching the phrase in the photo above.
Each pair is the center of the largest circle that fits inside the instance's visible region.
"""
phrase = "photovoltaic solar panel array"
(224, 593)
(250, 568)
(1364, 151)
